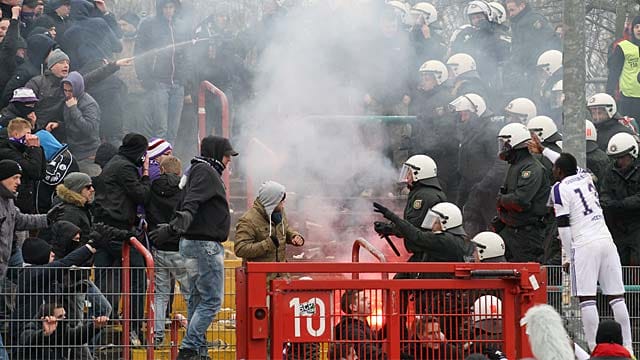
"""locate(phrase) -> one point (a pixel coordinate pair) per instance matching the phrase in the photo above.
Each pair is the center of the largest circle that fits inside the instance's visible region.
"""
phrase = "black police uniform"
(522, 206)
(598, 162)
(620, 200)
(606, 130)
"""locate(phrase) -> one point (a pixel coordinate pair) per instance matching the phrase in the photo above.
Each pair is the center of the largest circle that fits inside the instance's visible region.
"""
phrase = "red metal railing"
(202, 119)
(521, 286)
(126, 299)
(355, 255)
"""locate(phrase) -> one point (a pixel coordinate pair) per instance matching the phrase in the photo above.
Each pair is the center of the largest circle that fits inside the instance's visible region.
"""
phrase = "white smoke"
(311, 73)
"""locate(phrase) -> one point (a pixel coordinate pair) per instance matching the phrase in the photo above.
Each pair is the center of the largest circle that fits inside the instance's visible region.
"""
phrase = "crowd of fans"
(74, 78)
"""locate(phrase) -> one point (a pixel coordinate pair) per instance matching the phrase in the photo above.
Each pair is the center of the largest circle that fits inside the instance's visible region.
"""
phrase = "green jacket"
(253, 241)
(524, 195)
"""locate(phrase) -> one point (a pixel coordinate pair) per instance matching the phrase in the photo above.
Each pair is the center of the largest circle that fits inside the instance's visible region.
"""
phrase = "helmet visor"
(430, 220)
(406, 174)
(504, 146)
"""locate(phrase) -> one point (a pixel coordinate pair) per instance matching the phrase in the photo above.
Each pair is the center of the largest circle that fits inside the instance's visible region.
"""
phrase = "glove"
(54, 214)
(383, 228)
(497, 225)
(111, 233)
(388, 214)
(98, 240)
(162, 234)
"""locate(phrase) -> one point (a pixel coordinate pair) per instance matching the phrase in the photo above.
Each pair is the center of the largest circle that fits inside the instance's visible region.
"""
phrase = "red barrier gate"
(202, 119)
(304, 313)
(126, 299)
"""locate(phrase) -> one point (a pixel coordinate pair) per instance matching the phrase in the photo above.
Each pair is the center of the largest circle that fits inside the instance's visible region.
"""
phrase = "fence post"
(126, 300)
(202, 119)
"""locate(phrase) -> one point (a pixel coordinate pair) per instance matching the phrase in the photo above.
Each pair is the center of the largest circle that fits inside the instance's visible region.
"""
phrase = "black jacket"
(206, 200)
(162, 203)
(423, 195)
(157, 37)
(124, 190)
(34, 345)
(89, 38)
(523, 197)
(361, 337)
(75, 210)
(598, 163)
(42, 284)
(38, 48)
(531, 36)
(620, 199)
(8, 48)
(607, 129)
(33, 164)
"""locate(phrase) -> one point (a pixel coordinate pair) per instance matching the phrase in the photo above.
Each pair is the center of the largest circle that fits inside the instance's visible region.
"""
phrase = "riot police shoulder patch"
(417, 204)
(525, 174)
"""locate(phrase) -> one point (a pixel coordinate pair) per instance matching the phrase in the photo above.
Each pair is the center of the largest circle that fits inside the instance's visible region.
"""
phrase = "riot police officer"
(522, 199)
(604, 113)
(420, 174)
(619, 197)
(597, 160)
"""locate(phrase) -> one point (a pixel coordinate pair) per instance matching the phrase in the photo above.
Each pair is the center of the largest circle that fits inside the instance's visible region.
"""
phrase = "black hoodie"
(205, 196)
(38, 48)
(89, 38)
(123, 188)
(163, 201)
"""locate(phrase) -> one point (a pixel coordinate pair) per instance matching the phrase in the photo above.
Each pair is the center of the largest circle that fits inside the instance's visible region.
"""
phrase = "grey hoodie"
(81, 121)
(270, 195)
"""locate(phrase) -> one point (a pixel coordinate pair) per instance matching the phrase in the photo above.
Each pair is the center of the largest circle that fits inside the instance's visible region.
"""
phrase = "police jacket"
(524, 194)
(597, 162)
(620, 198)
(477, 160)
(531, 36)
(428, 246)
(550, 143)
(608, 128)
(423, 195)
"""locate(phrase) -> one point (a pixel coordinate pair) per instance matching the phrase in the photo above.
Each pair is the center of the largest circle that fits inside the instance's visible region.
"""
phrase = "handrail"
(202, 119)
(355, 255)
(126, 299)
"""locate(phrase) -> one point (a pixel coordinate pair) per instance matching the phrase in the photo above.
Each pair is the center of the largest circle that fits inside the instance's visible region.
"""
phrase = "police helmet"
(469, 102)
(603, 100)
(522, 109)
(543, 126)
(449, 215)
(460, 64)
(437, 68)
(621, 144)
(420, 166)
(489, 244)
(550, 61)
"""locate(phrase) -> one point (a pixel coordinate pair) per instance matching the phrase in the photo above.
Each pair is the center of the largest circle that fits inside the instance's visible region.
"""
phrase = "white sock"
(621, 315)
(590, 320)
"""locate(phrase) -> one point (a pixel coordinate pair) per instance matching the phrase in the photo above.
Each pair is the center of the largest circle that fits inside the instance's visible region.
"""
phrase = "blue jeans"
(162, 118)
(204, 262)
(167, 263)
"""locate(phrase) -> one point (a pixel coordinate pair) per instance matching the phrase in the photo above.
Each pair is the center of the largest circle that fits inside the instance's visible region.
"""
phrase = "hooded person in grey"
(263, 231)
(82, 123)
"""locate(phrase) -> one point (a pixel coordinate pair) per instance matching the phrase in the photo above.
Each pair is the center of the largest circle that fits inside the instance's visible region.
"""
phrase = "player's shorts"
(597, 262)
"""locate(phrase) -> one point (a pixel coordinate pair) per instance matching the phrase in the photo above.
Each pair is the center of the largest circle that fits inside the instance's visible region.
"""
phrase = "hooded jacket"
(75, 210)
(123, 188)
(205, 197)
(163, 200)
(48, 89)
(38, 48)
(258, 236)
(8, 48)
(81, 121)
(157, 57)
(33, 164)
(89, 38)
(43, 284)
(14, 220)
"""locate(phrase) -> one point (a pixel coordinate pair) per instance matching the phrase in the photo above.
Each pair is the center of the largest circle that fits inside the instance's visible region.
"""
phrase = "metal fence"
(571, 314)
(59, 312)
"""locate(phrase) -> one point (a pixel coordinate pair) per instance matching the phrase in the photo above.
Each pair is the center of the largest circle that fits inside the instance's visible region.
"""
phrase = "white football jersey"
(577, 197)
